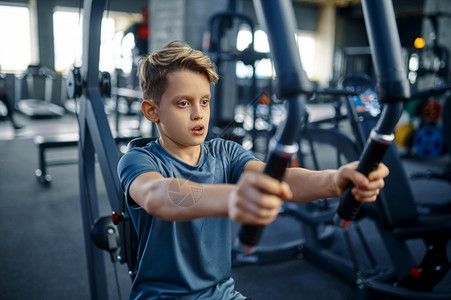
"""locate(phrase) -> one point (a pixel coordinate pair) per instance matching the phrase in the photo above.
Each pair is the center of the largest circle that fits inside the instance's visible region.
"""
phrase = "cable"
(118, 286)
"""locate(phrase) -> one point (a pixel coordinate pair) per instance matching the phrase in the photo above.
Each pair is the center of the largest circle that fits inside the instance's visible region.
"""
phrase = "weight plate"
(74, 83)
(413, 107)
(432, 110)
(428, 142)
(403, 134)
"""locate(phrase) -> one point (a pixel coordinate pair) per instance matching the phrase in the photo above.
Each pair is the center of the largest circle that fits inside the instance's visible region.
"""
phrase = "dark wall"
(306, 14)
(351, 30)
(409, 29)
(352, 53)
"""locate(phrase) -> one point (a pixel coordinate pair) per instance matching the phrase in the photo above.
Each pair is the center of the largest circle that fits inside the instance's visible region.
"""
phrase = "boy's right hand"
(257, 199)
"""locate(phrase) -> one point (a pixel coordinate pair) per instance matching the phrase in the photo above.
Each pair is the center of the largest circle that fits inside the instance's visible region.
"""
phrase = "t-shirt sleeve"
(131, 165)
(239, 157)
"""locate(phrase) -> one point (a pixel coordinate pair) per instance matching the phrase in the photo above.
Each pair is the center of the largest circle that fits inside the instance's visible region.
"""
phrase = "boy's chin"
(200, 139)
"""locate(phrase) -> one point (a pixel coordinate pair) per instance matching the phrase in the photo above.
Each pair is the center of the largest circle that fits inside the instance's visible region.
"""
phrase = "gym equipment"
(393, 88)
(447, 122)
(74, 90)
(119, 93)
(35, 107)
(413, 107)
(427, 115)
(95, 137)
(222, 51)
(432, 110)
(395, 213)
(292, 85)
(403, 135)
(396, 220)
(313, 220)
(434, 59)
(105, 234)
(45, 143)
(428, 142)
(352, 59)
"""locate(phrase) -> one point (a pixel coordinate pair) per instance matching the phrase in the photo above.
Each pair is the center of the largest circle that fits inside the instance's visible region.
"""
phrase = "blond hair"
(176, 56)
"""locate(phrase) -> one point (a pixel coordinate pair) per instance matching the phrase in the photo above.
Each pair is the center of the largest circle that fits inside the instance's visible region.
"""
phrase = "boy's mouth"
(198, 130)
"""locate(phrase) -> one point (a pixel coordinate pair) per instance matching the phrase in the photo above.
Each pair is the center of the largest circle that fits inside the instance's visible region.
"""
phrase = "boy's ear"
(149, 109)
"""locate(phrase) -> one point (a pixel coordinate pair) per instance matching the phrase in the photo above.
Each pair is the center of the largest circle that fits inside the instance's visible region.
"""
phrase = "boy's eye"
(183, 103)
(205, 102)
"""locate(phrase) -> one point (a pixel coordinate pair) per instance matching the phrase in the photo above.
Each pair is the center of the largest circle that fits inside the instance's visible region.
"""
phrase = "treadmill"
(33, 106)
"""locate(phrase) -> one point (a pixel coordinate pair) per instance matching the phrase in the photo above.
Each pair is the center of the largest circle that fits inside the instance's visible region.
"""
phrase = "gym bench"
(43, 143)
(59, 141)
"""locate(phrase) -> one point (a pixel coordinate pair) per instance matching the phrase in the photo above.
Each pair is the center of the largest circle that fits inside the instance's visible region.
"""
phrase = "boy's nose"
(197, 113)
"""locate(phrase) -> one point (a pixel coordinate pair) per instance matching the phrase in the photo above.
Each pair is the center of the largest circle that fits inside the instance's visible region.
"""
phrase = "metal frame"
(95, 138)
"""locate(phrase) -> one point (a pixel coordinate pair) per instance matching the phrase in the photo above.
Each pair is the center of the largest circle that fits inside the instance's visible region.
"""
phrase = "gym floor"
(43, 256)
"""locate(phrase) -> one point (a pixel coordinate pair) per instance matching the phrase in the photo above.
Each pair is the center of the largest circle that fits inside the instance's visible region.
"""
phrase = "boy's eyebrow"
(183, 96)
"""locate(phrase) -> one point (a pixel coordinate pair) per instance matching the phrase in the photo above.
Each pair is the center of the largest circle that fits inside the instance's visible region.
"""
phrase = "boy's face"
(184, 110)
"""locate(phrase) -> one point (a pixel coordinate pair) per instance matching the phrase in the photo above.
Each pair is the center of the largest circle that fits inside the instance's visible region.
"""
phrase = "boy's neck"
(187, 154)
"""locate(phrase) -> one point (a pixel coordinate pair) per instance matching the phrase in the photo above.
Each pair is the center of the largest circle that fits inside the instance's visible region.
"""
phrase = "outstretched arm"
(256, 199)
(307, 185)
(175, 199)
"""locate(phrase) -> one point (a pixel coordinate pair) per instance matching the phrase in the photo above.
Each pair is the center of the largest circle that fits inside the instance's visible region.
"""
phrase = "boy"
(183, 191)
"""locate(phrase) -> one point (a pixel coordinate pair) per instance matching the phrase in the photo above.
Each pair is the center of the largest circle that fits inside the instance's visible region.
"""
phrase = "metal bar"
(292, 85)
(393, 88)
(89, 129)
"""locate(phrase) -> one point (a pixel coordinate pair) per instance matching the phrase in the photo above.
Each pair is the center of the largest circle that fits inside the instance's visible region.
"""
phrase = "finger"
(354, 164)
(252, 213)
(375, 184)
(365, 193)
(372, 187)
(381, 172)
(365, 196)
(358, 179)
(269, 185)
(255, 198)
(286, 194)
(367, 199)
(263, 217)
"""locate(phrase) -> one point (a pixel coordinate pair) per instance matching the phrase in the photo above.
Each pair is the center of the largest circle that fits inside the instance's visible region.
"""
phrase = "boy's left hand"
(366, 189)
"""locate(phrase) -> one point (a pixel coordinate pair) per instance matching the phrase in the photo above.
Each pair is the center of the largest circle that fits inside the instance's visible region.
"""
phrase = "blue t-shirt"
(190, 259)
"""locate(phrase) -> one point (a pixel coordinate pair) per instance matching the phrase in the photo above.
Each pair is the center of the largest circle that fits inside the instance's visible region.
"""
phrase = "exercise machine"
(34, 106)
(427, 136)
(95, 137)
(220, 45)
(434, 59)
(96, 143)
(397, 221)
(423, 135)
(318, 213)
(397, 217)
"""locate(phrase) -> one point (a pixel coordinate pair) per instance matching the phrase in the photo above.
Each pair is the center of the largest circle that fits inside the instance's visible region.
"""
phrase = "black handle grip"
(372, 155)
(250, 235)
(292, 84)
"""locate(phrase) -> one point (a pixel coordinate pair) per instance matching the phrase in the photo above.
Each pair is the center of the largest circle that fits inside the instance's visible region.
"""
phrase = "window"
(263, 68)
(15, 52)
(306, 45)
(68, 39)
(67, 35)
